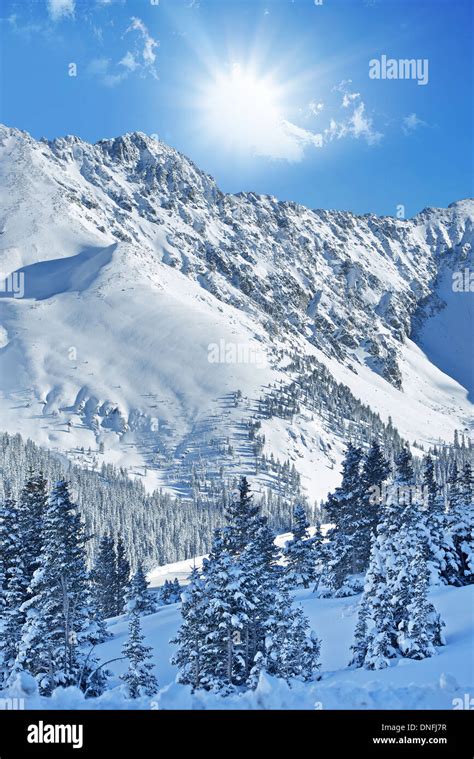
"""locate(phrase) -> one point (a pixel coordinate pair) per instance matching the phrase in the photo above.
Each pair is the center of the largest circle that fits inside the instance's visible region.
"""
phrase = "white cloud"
(349, 97)
(296, 139)
(315, 108)
(102, 68)
(58, 9)
(411, 123)
(149, 44)
(362, 126)
(129, 61)
(141, 60)
(358, 124)
(281, 139)
(342, 86)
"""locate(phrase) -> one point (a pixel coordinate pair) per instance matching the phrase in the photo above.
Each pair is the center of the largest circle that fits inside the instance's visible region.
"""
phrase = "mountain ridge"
(343, 290)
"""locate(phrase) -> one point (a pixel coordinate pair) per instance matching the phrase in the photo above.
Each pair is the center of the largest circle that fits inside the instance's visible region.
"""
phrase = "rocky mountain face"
(134, 263)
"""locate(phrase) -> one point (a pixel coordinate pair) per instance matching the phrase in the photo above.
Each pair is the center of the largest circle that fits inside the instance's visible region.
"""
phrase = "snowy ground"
(433, 683)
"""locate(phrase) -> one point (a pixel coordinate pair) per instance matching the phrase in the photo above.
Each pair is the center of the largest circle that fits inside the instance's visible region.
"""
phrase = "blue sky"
(272, 96)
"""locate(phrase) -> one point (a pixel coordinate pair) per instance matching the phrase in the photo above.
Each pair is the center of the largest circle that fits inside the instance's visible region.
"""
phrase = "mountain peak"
(129, 239)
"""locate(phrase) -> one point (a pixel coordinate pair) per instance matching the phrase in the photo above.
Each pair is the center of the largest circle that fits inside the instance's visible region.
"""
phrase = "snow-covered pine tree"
(408, 576)
(191, 656)
(14, 587)
(441, 557)
(176, 595)
(237, 613)
(259, 562)
(393, 590)
(139, 677)
(9, 547)
(467, 484)
(375, 471)
(461, 521)
(138, 598)
(59, 630)
(104, 578)
(31, 509)
(27, 536)
(375, 635)
(421, 628)
(359, 646)
(241, 515)
(170, 592)
(14, 619)
(122, 576)
(343, 509)
(228, 605)
(320, 550)
(467, 542)
(292, 649)
(299, 551)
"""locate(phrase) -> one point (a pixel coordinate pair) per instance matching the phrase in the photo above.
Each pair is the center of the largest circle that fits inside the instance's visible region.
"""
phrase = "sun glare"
(240, 107)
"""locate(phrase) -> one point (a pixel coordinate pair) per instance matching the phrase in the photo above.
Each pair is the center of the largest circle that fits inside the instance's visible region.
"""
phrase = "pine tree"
(299, 552)
(359, 647)
(259, 561)
(375, 471)
(191, 656)
(170, 592)
(394, 612)
(9, 547)
(138, 598)
(461, 522)
(376, 615)
(227, 617)
(420, 630)
(32, 506)
(21, 559)
(122, 576)
(56, 640)
(343, 509)
(139, 677)
(104, 579)
(176, 590)
(237, 614)
(241, 514)
(15, 582)
(404, 471)
(320, 551)
(408, 548)
(441, 556)
(292, 650)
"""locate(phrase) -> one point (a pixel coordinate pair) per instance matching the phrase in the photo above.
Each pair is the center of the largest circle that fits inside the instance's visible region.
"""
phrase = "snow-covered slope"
(439, 682)
(134, 263)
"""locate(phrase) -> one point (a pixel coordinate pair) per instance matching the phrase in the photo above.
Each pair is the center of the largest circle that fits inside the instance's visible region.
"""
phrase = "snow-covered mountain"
(185, 333)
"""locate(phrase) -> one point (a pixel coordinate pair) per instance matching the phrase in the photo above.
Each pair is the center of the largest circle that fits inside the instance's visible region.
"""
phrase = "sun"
(240, 107)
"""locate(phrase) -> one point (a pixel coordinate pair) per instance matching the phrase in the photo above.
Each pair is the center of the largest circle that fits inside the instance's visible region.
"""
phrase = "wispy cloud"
(149, 44)
(358, 124)
(293, 141)
(129, 61)
(411, 123)
(315, 108)
(139, 60)
(106, 72)
(282, 139)
(59, 9)
(349, 98)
